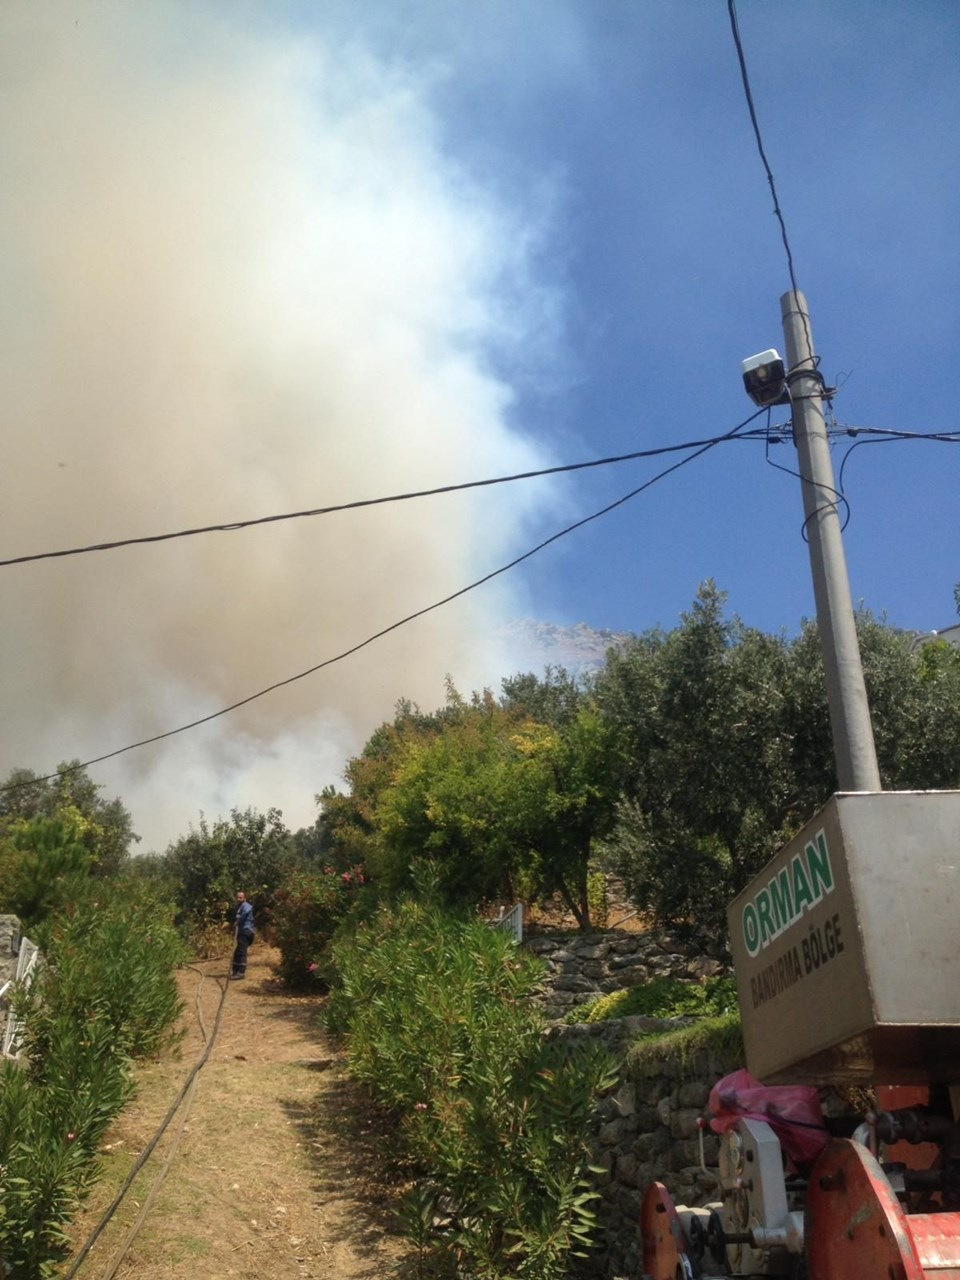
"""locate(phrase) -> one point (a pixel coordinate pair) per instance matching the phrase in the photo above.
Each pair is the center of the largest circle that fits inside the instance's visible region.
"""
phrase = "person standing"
(243, 931)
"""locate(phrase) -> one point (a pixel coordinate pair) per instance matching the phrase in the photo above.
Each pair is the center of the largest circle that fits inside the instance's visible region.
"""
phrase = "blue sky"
(668, 261)
(672, 267)
(262, 257)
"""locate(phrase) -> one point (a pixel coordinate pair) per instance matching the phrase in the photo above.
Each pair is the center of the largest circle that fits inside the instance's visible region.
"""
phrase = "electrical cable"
(858, 445)
(748, 93)
(234, 525)
(830, 428)
(394, 626)
(880, 435)
(943, 437)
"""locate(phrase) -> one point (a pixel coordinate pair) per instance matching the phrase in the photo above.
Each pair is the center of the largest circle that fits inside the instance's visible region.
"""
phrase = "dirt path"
(280, 1167)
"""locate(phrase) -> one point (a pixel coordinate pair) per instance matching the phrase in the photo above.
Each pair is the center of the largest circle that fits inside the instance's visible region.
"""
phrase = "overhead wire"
(858, 445)
(778, 212)
(887, 435)
(233, 525)
(394, 626)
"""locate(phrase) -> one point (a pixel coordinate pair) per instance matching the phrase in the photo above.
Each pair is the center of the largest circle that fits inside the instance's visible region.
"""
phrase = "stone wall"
(647, 1128)
(9, 947)
(9, 950)
(581, 967)
(649, 1132)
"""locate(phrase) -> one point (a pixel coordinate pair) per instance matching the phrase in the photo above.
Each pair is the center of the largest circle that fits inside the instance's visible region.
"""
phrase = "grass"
(662, 998)
(680, 1053)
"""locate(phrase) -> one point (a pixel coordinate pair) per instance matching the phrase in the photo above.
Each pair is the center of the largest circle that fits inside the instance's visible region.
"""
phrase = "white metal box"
(846, 947)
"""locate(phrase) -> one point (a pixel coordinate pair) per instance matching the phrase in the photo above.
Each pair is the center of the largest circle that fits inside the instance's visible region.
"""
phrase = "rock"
(685, 1122)
(693, 1094)
(627, 1169)
(704, 967)
(539, 945)
(625, 1100)
(626, 946)
(598, 951)
(604, 1162)
(612, 1133)
(573, 982)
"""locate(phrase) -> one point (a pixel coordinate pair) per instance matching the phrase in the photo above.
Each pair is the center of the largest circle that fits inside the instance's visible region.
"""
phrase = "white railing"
(511, 921)
(26, 964)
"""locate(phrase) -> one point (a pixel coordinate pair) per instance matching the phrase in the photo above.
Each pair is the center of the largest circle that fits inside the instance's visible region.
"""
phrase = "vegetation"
(104, 995)
(679, 1053)
(31, 809)
(725, 742)
(682, 766)
(662, 998)
(250, 851)
(308, 908)
(493, 1118)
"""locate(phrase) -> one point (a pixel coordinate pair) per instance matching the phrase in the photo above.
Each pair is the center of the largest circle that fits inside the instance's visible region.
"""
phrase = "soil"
(282, 1168)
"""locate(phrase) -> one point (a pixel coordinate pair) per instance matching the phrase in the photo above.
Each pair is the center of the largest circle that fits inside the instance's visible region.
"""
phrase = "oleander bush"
(307, 910)
(105, 994)
(441, 1027)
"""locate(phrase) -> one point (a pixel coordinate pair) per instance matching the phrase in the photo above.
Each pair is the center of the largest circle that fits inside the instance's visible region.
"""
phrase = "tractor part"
(856, 1229)
(666, 1253)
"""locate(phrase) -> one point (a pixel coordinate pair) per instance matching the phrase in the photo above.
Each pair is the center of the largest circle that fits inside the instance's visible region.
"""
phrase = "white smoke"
(241, 276)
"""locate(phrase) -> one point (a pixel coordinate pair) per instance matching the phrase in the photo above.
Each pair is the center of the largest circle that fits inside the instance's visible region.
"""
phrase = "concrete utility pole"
(853, 746)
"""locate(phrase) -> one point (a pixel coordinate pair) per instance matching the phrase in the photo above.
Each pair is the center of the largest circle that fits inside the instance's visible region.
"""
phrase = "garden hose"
(186, 1088)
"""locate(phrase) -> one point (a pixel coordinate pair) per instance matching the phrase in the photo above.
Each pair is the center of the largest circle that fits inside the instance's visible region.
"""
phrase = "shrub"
(45, 867)
(105, 993)
(307, 910)
(442, 1029)
(209, 936)
(598, 899)
(662, 998)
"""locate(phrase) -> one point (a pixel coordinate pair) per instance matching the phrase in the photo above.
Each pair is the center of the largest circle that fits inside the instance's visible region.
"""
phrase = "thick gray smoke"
(240, 276)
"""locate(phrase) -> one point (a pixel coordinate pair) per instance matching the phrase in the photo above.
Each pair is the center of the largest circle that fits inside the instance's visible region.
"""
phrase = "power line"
(735, 28)
(778, 212)
(881, 435)
(876, 435)
(394, 626)
(944, 437)
(234, 525)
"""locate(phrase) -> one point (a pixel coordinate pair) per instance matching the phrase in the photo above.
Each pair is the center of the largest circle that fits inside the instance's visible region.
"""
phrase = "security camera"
(765, 379)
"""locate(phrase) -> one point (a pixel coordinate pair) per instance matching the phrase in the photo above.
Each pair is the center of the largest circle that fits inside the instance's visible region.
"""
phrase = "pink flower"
(345, 877)
(312, 967)
(71, 1136)
(419, 1106)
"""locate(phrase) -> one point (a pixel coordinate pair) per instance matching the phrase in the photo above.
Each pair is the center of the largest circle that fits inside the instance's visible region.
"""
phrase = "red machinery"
(848, 972)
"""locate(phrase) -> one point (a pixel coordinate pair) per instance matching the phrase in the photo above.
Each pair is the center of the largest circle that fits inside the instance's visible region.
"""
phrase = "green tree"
(251, 851)
(725, 738)
(505, 805)
(108, 830)
(553, 698)
(45, 865)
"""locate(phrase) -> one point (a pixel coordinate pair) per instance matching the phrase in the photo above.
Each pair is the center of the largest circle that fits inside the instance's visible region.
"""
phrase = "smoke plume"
(241, 275)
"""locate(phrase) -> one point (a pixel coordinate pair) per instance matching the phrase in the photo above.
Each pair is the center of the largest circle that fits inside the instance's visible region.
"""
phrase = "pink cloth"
(792, 1111)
